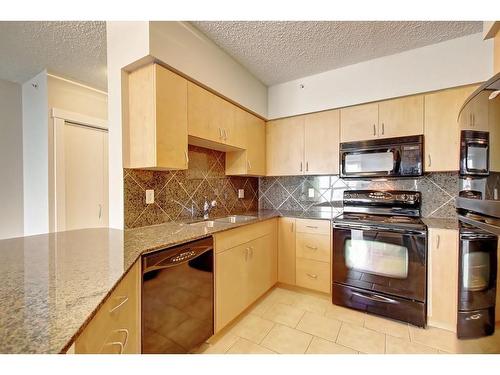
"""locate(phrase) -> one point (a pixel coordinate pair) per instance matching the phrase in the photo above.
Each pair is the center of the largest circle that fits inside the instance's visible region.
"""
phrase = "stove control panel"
(374, 197)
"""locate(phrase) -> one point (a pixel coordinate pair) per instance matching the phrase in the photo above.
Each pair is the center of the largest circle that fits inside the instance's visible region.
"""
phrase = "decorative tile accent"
(181, 194)
(305, 193)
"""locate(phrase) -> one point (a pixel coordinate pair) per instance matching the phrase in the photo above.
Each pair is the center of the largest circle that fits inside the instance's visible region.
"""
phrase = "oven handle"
(375, 298)
(381, 229)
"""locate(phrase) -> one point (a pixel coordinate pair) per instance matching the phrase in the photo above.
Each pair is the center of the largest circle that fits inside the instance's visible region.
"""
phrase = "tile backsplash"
(303, 193)
(181, 194)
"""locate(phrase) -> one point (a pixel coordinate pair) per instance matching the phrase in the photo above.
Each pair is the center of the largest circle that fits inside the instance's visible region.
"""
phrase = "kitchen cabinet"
(359, 122)
(303, 145)
(441, 128)
(252, 160)
(155, 135)
(245, 268)
(115, 328)
(494, 122)
(386, 119)
(442, 278)
(286, 250)
(401, 117)
(475, 114)
(313, 254)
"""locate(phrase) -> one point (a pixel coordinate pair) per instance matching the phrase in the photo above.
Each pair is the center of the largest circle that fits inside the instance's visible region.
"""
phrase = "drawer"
(312, 274)
(313, 226)
(116, 323)
(313, 246)
(246, 233)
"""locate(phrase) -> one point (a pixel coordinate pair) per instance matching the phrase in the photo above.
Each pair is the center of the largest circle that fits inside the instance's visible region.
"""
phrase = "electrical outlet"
(150, 196)
(241, 193)
(310, 192)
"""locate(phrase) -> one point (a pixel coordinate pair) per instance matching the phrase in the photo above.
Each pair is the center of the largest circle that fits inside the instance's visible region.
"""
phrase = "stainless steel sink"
(236, 219)
(204, 224)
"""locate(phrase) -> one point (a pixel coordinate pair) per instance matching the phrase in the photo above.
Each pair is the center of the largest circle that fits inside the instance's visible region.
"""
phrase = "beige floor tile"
(435, 338)
(261, 307)
(285, 340)
(222, 344)
(345, 315)
(361, 339)
(253, 328)
(312, 304)
(387, 326)
(243, 346)
(319, 325)
(321, 346)
(285, 296)
(284, 314)
(396, 345)
(483, 345)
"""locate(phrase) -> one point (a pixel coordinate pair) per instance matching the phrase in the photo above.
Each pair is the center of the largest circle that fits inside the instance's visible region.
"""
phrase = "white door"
(84, 168)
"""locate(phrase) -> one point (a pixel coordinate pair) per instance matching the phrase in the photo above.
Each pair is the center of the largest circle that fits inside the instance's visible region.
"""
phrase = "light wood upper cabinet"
(475, 114)
(155, 135)
(441, 128)
(442, 279)
(115, 329)
(321, 142)
(286, 250)
(252, 160)
(285, 146)
(401, 117)
(359, 122)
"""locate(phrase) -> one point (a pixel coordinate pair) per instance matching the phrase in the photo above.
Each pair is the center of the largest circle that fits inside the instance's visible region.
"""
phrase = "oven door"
(392, 262)
(477, 271)
(474, 159)
(377, 162)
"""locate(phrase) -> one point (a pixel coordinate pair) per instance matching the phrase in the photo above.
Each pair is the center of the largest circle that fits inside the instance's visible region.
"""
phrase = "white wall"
(11, 160)
(184, 48)
(127, 42)
(36, 155)
(452, 63)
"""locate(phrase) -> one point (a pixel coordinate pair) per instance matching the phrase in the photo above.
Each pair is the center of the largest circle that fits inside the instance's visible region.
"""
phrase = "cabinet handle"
(307, 166)
(186, 155)
(125, 299)
(301, 166)
(124, 330)
(474, 120)
(249, 164)
(225, 134)
(220, 133)
(312, 247)
(374, 130)
(291, 229)
(471, 123)
(251, 251)
(438, 241)
(430, 160)
(383, 129)
(312, 276)
(311, 226)
(100, 211)
(247, 253)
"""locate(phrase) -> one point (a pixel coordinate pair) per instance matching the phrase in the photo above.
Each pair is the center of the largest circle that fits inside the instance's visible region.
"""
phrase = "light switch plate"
(310, 192)
(150, 196)
(241, 193)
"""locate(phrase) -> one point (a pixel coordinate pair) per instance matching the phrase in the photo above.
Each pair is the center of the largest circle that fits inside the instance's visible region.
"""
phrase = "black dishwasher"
(177, 298)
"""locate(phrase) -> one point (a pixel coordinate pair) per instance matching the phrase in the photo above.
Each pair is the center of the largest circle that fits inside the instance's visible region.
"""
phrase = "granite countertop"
(440, 223)
(52, 284)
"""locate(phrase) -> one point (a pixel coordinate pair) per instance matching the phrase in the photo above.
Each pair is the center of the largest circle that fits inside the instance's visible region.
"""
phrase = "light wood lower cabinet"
(115, 329)
(442, 279)
(314, 275)
(245, 268)
(286, 250)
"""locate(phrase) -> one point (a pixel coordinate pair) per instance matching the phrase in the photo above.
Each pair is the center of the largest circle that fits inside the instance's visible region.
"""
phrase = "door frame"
(57, 188)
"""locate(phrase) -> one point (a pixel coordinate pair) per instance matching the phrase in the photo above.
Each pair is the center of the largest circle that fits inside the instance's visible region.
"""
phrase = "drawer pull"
(312, 247)
(123, 302)
(312, 276)
(311, 226)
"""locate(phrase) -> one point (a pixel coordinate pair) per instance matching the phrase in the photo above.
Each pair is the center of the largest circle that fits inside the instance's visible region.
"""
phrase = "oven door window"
(476, 271)
(369, 162)
(376, 257)
(477, 157)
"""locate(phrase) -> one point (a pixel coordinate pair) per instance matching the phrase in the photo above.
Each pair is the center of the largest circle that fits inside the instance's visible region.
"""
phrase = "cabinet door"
(285, 146)
(321, 142)
(401, 117)
(442, 282)
(256, 146)
(359, 123)
(263, 266)
(286, 250)
(231, 284)
(475, 114)
(235, 122)
(441, 129)
(203, 114)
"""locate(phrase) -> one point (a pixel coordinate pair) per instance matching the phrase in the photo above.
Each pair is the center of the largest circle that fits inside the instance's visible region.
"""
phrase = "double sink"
(233, 219)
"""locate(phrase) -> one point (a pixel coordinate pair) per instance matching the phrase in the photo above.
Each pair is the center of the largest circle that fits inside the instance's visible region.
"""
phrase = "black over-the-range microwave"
(390, 157)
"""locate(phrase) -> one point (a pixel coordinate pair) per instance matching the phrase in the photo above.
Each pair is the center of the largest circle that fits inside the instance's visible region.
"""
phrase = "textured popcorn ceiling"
(276, 52)
(75, 50)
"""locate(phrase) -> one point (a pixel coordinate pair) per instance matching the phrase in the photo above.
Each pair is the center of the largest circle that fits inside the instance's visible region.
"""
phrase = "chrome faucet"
(207, 207)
